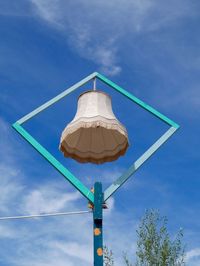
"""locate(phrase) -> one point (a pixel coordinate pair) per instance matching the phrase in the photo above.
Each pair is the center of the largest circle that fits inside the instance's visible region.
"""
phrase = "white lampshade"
(94, 135)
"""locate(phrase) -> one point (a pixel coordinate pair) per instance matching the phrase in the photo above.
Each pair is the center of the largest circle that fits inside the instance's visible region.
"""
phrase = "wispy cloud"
(84, 31)
(18, 198)
(143, 36)
(193, 257)
(149, 37)
(10, 187)
(7, 232)
(48, 198)
(105, 33)
(49, 241)
(96, 29)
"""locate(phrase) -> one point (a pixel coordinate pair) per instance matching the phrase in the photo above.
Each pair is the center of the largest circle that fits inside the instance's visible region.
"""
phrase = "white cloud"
(111, 205)
(49, 11)
(6, 231)
(96, 29)
(73, 249)
(9, 172)
(9, 187)
(83, 32)
(135, 34)
(65, 240)
(48, 199)
(192, 256)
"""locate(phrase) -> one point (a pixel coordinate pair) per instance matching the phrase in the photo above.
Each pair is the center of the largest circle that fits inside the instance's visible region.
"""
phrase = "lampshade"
(94, 135)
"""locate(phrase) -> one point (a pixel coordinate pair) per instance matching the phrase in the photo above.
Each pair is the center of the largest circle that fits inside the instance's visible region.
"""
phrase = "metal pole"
(98, 224)
(94, 84)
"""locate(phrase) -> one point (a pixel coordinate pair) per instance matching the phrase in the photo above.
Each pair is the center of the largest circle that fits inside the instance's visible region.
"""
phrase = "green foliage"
(108, 257)
(126, 260)
(154, 246)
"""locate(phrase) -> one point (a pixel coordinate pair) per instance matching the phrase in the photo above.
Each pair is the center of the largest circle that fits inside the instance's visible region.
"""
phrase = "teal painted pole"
(98, 224)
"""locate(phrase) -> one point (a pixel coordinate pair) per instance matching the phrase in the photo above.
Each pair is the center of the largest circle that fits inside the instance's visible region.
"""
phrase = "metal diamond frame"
(63, 170)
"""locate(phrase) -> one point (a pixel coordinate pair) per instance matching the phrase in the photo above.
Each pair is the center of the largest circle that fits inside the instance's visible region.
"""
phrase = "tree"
(154, 246)
(126, 260)
(108, 257)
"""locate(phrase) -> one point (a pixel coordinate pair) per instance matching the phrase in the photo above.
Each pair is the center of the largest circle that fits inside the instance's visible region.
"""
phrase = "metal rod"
(137, 101)
(98, 224)
(136, 165)
(43, 215)
(56, 99)
(56, 164)
(94, 84)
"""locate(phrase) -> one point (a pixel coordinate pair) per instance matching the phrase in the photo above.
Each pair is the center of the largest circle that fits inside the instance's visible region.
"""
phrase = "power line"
(43, 215)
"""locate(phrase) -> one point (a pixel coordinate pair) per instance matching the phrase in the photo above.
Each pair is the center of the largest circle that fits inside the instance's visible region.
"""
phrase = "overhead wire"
(43, 215)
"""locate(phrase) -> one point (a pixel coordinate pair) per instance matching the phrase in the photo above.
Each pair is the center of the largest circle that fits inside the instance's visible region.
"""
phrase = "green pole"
(98, 224)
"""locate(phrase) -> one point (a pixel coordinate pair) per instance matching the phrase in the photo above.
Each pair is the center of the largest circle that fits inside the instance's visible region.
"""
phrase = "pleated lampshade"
(94, 135)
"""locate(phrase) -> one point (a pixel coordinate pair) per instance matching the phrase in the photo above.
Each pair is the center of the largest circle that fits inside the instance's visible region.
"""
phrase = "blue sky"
(150, 48)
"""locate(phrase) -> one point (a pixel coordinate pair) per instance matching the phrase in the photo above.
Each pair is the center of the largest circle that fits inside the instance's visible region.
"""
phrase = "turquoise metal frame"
(63, 170)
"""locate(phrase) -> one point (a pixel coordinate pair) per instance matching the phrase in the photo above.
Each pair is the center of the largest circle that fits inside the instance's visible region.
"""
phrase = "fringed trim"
(90, 157)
